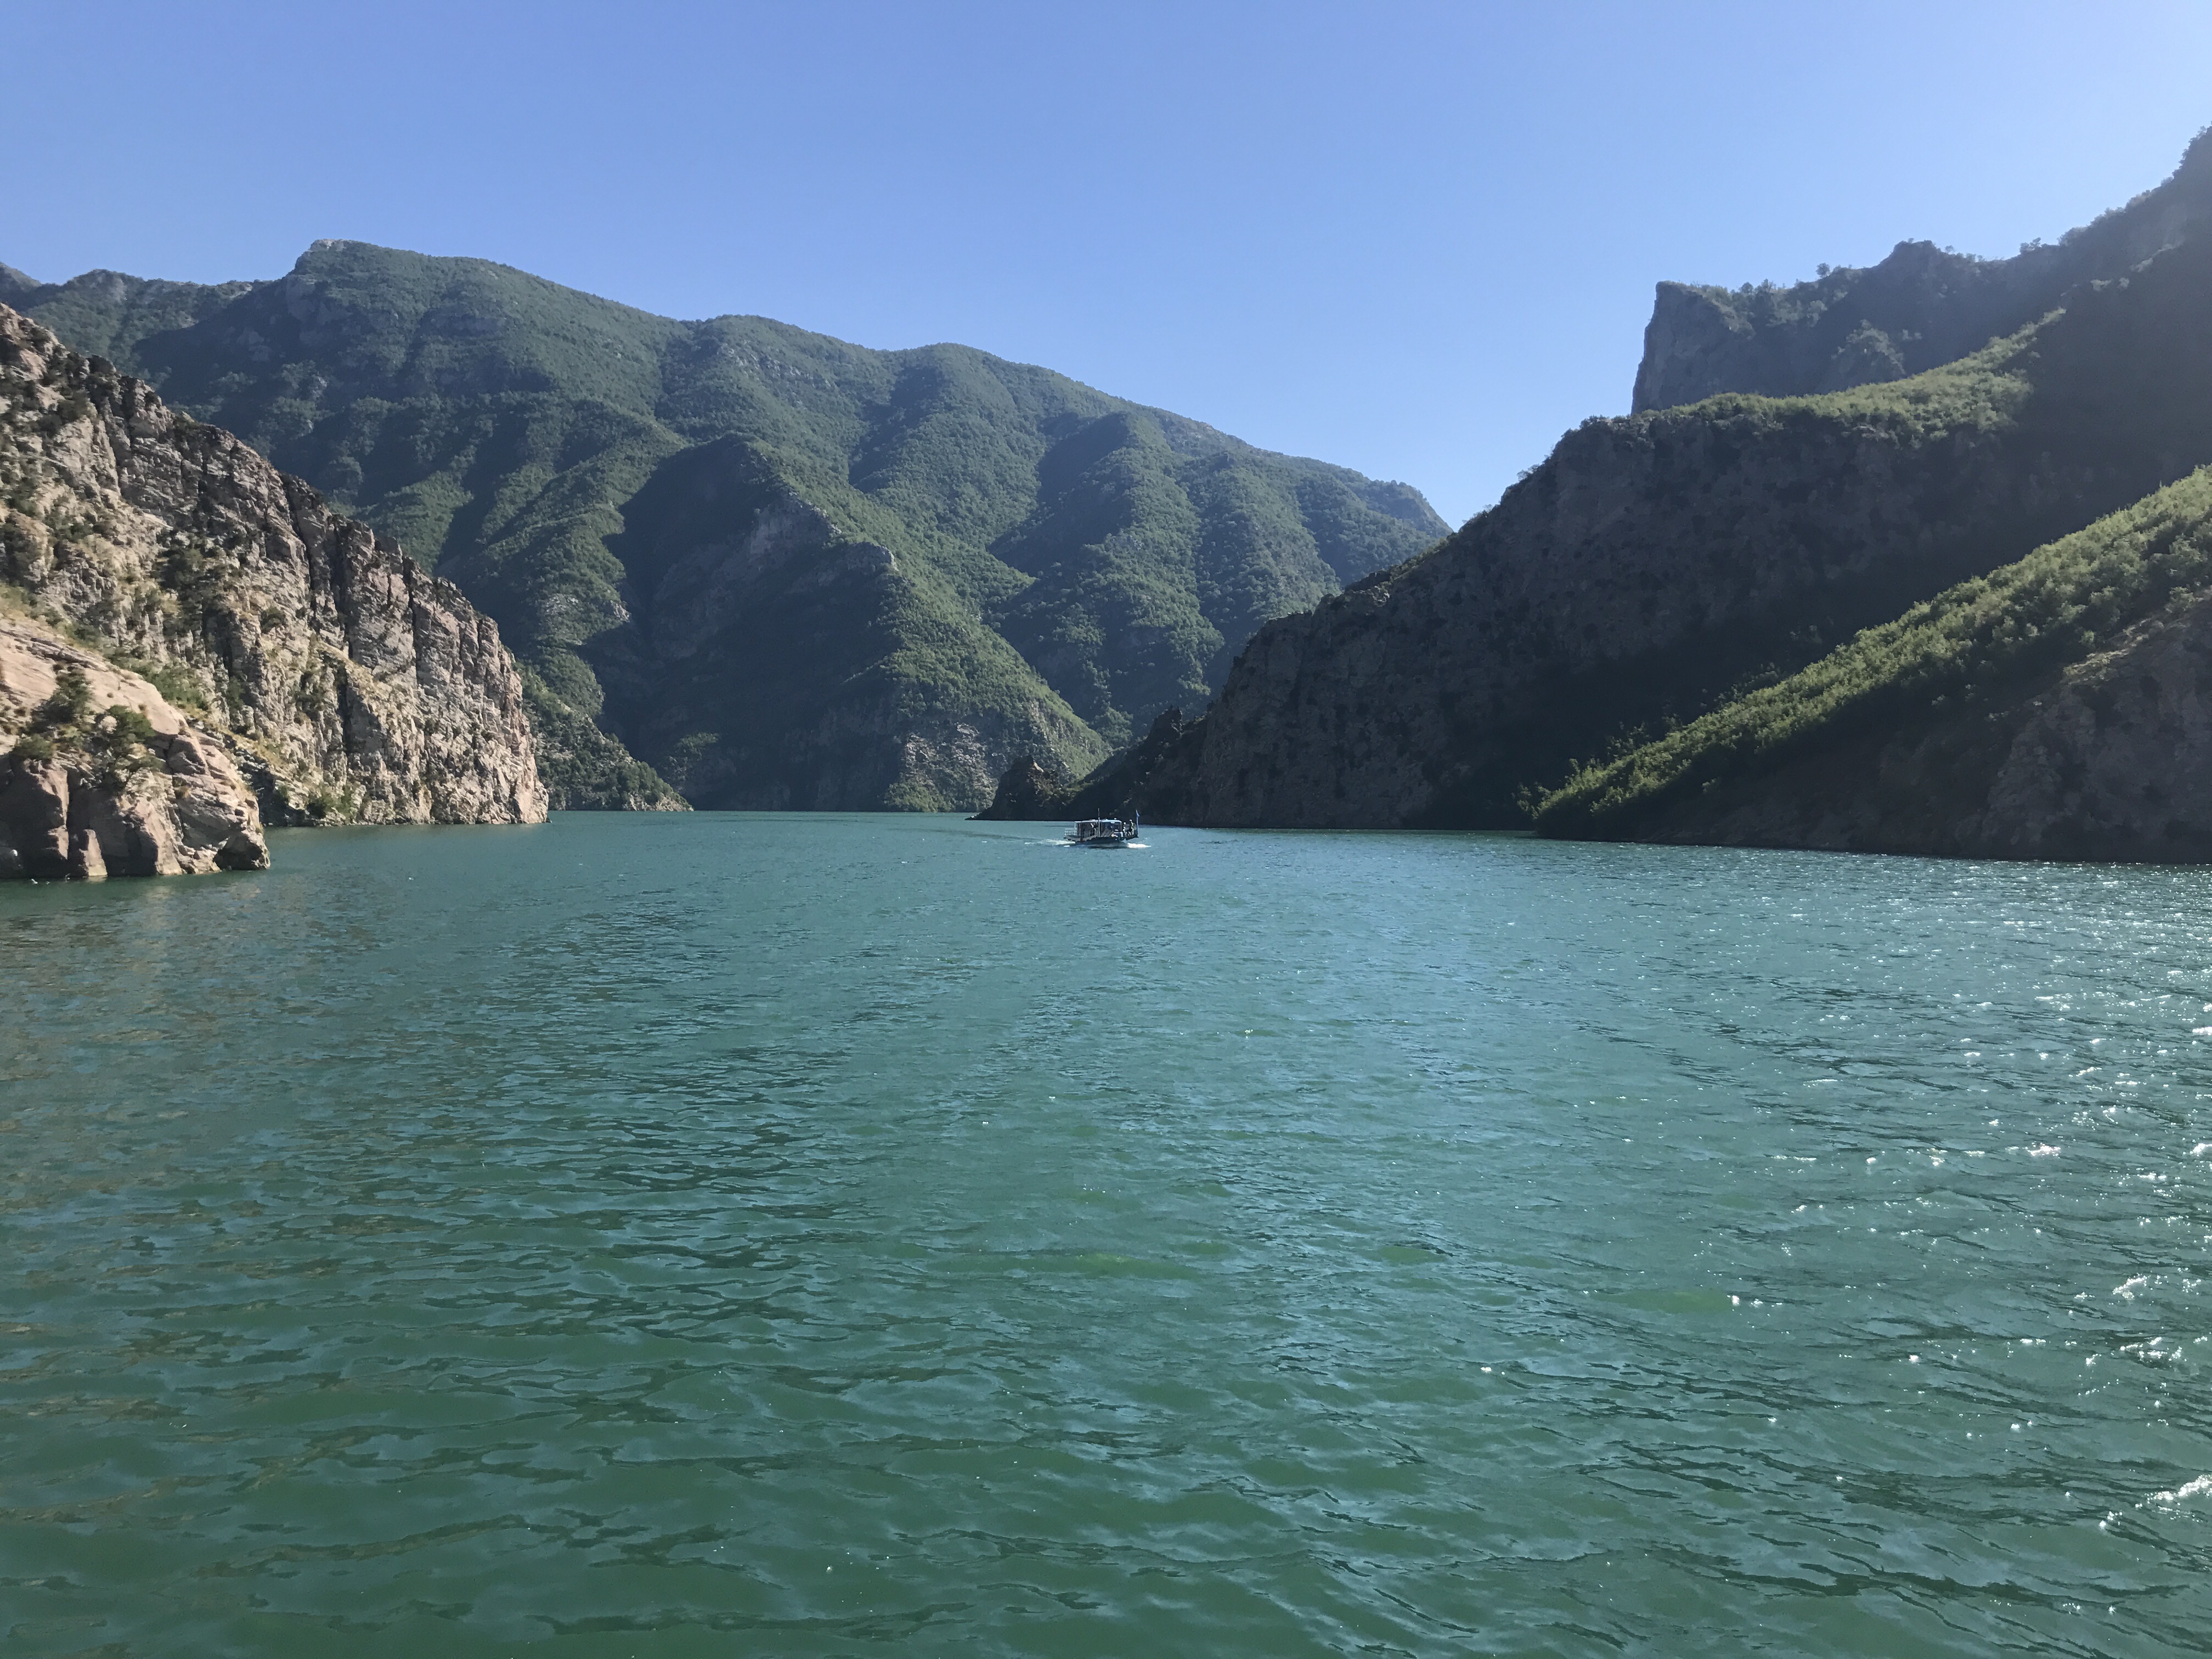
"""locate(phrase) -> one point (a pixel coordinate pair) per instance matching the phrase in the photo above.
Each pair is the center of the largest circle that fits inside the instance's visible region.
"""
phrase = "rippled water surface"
(731, 1235)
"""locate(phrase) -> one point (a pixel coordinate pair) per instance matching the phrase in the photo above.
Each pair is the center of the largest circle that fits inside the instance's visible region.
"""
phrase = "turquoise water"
(730, 1235)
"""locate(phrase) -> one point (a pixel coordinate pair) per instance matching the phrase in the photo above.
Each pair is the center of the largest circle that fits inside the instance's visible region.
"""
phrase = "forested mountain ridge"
(1655, 564)
(1919, 309)
(785, 570)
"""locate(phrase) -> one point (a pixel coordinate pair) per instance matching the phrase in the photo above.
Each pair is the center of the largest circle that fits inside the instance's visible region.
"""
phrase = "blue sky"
(1418, 240)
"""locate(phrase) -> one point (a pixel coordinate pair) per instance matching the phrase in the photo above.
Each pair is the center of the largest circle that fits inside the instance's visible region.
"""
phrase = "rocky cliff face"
(1027, 794)
(350, 684)
(1920, 308)
(101, 775)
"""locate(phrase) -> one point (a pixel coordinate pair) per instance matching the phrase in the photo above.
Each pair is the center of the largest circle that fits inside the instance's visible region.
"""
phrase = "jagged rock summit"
(1921, 306)
(1027, 792)
(344, 682)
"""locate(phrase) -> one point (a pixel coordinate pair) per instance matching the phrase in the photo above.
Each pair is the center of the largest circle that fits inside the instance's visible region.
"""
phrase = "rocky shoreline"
(105, 777)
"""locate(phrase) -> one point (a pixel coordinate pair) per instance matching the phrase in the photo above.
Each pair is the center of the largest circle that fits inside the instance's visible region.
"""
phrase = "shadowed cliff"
(1921, 307)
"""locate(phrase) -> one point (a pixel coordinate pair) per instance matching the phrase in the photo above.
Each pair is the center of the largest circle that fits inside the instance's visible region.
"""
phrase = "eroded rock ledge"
(100, 774)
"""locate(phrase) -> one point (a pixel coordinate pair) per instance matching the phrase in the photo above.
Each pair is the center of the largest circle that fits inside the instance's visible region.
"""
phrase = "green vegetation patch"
(1973, 645)
(116, 742)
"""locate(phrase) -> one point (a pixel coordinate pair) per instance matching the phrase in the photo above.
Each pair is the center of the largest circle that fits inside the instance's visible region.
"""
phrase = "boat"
(1104, 832)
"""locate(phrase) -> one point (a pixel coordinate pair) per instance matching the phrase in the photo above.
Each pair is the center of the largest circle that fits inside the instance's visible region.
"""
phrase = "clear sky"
(1416, 238)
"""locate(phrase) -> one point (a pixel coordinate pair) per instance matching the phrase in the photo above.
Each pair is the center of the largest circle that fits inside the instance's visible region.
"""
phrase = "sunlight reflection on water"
(674, 1234)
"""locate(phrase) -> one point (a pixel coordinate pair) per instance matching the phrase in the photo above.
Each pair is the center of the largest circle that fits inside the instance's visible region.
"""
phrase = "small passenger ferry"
(1104, 832)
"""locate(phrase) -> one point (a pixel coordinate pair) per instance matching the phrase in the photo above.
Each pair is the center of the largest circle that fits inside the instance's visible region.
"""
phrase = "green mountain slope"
(1656, 565)
(2059, 707)
(782, 569)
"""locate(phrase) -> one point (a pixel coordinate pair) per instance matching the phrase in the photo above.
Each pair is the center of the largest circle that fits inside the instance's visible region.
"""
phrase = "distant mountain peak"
(785, 570)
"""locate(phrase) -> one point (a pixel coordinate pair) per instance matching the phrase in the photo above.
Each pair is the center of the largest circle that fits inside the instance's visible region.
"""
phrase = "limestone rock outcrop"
(88, 790)
(1146, 770)
(353, 686)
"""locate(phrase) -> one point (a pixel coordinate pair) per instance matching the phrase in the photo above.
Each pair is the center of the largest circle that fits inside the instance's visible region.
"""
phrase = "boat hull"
(1102, 832)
